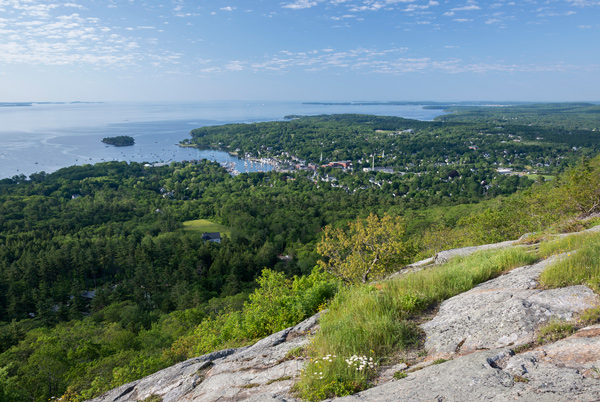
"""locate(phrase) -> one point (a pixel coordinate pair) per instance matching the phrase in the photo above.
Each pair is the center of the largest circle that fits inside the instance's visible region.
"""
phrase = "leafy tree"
(582, 187)
(9, 390)
(369, 248)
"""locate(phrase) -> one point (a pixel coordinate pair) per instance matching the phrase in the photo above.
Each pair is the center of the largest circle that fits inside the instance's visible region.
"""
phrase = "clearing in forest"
(203, 225)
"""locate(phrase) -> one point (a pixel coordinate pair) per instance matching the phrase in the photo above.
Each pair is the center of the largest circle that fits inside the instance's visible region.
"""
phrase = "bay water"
(47, 137)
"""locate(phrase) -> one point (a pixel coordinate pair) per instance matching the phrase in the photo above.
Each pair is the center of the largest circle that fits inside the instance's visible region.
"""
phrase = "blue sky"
(324, 50)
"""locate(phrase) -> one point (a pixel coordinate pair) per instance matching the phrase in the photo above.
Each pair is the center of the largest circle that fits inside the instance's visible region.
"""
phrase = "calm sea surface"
(48, 137)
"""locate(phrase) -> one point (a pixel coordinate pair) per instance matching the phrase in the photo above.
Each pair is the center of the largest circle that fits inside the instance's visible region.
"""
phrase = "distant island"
(13, 104)
(427, 104)
(119, 141)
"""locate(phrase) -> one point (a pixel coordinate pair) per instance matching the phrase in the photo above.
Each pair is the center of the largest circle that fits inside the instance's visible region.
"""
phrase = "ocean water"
(47, 137)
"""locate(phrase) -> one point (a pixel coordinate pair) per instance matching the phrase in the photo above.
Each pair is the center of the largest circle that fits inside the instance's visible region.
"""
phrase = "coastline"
(52, 136)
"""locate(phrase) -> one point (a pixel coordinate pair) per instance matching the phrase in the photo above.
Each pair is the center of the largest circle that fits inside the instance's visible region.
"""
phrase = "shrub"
(276, 304)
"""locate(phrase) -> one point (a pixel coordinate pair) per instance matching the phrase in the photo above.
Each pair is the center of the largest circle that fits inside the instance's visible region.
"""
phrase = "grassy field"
(202, 225)
(535, 176)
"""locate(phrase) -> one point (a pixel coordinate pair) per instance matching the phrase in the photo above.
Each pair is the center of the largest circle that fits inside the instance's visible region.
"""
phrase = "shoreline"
(55, 136)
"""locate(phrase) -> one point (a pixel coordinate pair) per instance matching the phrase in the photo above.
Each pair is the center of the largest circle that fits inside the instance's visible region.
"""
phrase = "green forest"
(105, 279)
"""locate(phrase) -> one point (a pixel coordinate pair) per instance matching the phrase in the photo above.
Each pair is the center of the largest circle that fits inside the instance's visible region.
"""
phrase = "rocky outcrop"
(264, 371)
(502, 312)
(578, 354)
(471, 343)
(566, 371)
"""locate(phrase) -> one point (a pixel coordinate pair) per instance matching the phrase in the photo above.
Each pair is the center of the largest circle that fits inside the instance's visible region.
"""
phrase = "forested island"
(119, 141)
(101, 283)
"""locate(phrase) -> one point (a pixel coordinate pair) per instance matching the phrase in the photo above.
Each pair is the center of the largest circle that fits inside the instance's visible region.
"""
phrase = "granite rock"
(506, 311)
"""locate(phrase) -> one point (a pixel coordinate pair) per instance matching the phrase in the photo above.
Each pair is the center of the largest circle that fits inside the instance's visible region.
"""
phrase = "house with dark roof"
(214, 237)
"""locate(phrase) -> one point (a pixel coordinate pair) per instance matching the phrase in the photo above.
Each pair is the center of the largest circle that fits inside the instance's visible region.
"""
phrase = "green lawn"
(202, 225)
(535, 176)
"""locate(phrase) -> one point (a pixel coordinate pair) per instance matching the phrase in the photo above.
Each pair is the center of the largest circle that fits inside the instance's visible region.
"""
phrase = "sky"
(309, 50)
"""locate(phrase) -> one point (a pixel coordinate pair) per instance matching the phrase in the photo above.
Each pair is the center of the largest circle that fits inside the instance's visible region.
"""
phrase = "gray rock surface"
(565, 371)
(444, 256)
(261, 372)
(470, 378)
(502, 312)
(579, 352)
(173, 382)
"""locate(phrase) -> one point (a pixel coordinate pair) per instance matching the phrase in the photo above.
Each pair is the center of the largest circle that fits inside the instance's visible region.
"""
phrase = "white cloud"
(467, 8)
(45, 32)
(185, 15)
(343, 17)
(235, 65)
(301, 4)
(414, 7)
(471, 5)
(40, 33)
(584, 3)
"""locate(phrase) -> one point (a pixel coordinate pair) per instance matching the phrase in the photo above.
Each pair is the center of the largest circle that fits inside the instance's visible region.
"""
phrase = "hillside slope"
(481, 345)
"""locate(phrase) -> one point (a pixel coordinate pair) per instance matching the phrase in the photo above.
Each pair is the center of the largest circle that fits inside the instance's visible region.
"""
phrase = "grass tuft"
(153, 398)
(555, 331)
(250, 385)
(398, 375)
(295, 352)
(590, 316)
(577, 268)
(565, 244)
(519, 378)
(284, 378)
(522, 348)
